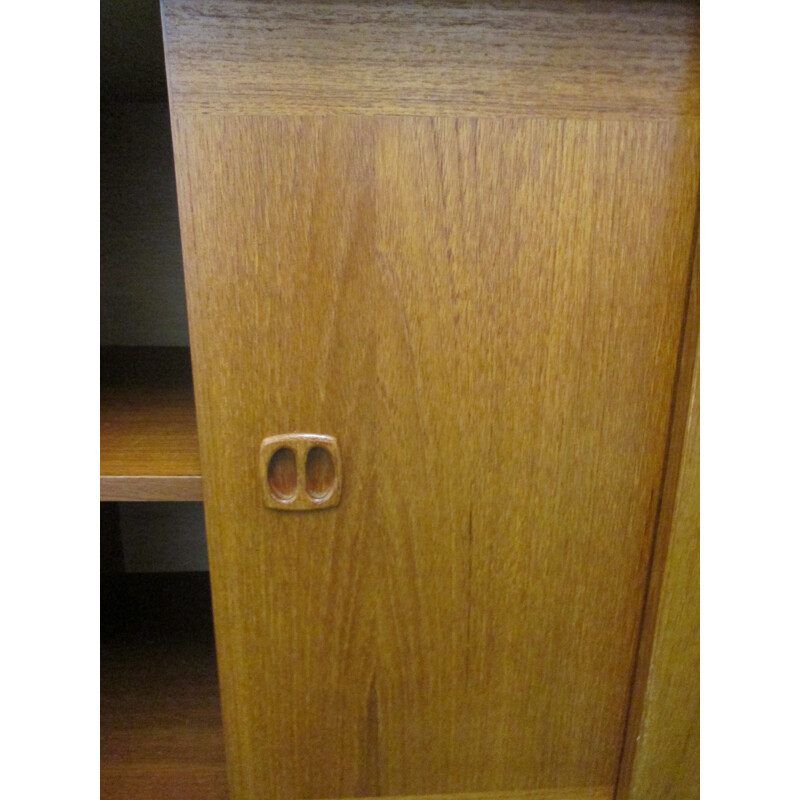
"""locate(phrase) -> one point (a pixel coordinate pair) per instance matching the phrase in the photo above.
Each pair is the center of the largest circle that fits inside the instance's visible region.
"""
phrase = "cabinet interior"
(161, 731)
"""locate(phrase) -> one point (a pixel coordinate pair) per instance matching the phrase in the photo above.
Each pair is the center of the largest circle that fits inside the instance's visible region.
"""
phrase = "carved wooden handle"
(300, 471)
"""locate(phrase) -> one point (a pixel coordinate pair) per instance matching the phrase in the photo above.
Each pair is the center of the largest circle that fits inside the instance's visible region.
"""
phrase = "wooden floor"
(161, 729)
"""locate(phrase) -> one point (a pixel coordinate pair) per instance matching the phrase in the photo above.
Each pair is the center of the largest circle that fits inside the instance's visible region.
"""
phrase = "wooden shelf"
(160, 721)
(148, 429)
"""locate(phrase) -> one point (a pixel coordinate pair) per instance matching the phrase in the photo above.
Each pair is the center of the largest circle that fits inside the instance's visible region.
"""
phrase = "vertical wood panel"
(661, 757)
(486, 314)
(666, 758)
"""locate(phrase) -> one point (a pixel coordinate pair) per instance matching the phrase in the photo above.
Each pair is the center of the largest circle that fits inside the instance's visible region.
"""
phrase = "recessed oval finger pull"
(300, 471)
(320, 473)
(282, 475)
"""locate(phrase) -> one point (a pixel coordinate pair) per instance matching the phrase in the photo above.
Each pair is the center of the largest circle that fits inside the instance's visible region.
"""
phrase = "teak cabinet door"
(456, 238)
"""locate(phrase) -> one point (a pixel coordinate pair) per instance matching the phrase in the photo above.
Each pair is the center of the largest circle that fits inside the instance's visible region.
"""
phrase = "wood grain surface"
(630, 59)
(667, 763)
(148, 429)
(486, 313)
(661, 758)
(593, 793)
(151, 488)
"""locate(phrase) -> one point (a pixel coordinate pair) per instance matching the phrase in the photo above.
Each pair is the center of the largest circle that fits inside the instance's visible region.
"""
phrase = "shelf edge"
(144, 488)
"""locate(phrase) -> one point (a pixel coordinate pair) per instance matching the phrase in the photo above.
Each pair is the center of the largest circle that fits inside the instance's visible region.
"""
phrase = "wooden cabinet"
(458, 238)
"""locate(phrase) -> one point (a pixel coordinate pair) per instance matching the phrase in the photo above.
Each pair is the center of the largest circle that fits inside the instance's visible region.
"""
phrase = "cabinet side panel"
(486, 314)
(668, 758)
(661, 757)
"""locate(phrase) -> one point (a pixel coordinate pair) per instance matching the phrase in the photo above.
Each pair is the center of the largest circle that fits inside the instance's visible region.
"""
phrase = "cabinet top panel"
(575, 59)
